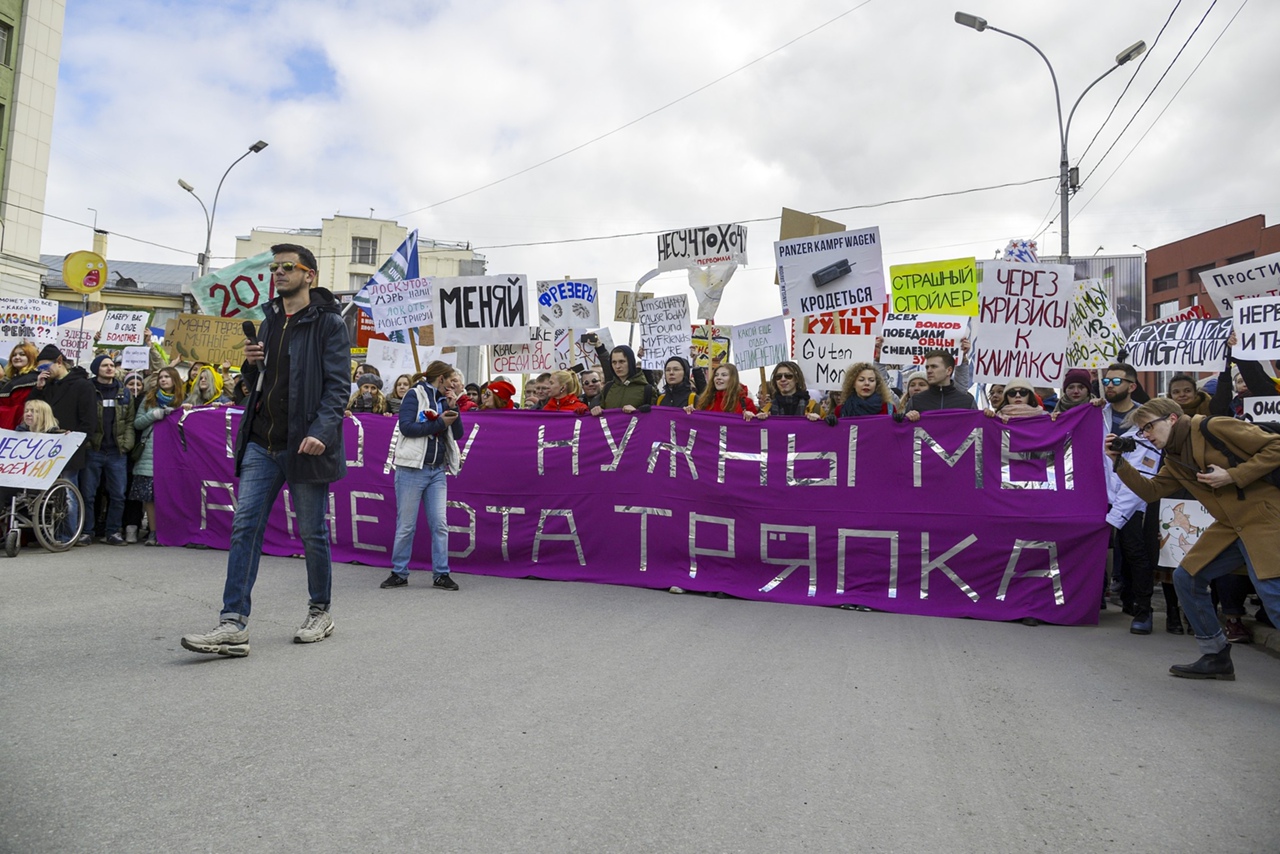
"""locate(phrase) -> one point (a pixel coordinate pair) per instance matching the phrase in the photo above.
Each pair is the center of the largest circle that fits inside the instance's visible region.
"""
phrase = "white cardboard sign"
(824, 358)
(1023, 318)
(404, 304)
(1252, 278)
(482, 310)
(568, 304)
(124, 328)
(702, 247)
(665, 330)
(1257, 325)
(830, 272)
(760, 343)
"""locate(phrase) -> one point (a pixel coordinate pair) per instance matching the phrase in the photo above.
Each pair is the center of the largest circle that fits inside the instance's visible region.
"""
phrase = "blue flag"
(403, 264)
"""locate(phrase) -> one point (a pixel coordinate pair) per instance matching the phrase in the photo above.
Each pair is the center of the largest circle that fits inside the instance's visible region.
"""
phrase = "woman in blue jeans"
(425, 451)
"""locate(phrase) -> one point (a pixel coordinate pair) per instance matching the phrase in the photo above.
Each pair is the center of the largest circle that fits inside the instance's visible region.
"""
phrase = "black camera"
(1124, 444)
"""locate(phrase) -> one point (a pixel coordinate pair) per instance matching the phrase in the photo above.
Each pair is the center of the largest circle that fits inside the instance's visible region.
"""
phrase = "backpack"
(1272, 477)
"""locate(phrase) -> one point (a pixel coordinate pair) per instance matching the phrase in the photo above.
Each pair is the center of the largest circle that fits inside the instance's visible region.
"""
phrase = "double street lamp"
(1068, 176)
(209, 214)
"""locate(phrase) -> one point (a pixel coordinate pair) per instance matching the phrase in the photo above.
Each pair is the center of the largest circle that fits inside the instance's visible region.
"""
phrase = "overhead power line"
(653, 112)
(1166, 108)
(772, 218)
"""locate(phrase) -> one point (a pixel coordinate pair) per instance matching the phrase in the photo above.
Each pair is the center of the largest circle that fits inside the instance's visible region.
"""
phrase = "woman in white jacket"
(424, 451)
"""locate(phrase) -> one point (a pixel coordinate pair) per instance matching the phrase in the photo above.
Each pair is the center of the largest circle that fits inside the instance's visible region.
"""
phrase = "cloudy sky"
(411, 107)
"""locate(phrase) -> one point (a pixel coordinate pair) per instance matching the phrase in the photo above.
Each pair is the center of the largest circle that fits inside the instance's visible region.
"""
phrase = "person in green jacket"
(625, 385)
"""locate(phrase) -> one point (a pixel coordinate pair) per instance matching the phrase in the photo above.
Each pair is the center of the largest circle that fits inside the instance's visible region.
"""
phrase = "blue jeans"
(261, 478)
(1197, 603)
(412, 486)
(113, 468)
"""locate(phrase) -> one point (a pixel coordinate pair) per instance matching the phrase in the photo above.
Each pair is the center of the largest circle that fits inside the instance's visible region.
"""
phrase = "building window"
(364, 250)
(1195, 272)
(6, 39)
(358, 281)
(1166, 309)
(1236, 260)
(1165, 283)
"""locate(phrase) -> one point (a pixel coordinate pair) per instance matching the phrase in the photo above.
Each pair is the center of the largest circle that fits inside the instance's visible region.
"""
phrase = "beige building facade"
(350, 249)
(30, 49)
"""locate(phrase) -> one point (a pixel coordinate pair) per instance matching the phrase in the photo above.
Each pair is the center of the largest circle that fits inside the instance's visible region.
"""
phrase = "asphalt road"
(534, 716)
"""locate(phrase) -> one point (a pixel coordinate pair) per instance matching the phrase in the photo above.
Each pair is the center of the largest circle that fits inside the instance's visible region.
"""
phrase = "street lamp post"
(210, 213)
(1068, 176)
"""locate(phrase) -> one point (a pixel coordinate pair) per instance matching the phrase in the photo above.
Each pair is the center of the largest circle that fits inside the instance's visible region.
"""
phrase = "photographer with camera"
(1230, 467)
(1125, 510)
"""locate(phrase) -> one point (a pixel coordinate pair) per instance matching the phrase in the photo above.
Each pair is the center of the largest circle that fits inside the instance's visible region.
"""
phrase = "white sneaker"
(131, 533)
(316, 627)
(227, 639)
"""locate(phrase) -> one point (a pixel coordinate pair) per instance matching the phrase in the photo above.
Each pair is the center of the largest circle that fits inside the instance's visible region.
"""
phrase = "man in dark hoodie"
(626, 387)
(69, 393)
(109, 447)
(291, 433)
(942, 393)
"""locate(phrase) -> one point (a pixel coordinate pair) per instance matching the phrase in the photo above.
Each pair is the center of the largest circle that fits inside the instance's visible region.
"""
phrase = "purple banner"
(958, 515)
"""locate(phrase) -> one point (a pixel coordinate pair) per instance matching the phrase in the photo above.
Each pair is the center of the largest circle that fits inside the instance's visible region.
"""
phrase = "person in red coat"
(563, 392)
(726, 393)
(19, 378)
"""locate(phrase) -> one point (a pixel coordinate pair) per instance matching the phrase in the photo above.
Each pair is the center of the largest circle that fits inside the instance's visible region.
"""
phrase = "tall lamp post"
(209, 214)
(1068, 176)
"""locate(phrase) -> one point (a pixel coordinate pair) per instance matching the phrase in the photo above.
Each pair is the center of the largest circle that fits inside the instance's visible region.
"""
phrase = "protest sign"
(122, 328)
(1182, 522)
(1022, 325)
(1257, 325)
(626, 306)
(830, 272)
(1094, 336)
(535, 356)
(568, 304)
(1262, 409)
(935, 287)
(760, 343)
(1253, 278)
(135, 359)
(585, 352)
(1186, 346)
(241, 290)
(76, 344)
(907, 337)
(702, 247)
(710, 341)
(866, 320)
(402, 304)
(664, 330)
(29, 318)
(482, 310)
(1186, 314)
(201, 338)
(958, 515)
(824, 358)
(34, 460)
(392, 359)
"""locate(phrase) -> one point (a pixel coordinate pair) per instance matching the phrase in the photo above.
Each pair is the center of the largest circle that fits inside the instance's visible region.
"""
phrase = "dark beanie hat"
(50, 353)
(1077, 375)
(97, 363)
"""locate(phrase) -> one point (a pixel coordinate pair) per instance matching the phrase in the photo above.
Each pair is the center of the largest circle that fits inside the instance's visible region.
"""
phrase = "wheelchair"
(55, 516)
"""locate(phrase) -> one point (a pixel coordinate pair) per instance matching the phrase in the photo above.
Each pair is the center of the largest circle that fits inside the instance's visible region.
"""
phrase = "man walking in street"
(109, 446)
(290, 433)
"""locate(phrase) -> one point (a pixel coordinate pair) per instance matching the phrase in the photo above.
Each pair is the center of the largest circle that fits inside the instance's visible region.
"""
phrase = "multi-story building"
(350, 249)
(1174, 270)
(30, 46)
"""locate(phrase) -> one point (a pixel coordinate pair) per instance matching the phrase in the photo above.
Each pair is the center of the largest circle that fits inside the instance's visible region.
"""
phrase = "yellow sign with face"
(84, 272)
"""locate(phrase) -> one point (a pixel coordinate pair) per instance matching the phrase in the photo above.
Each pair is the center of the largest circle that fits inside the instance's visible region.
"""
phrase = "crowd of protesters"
(1191, 444)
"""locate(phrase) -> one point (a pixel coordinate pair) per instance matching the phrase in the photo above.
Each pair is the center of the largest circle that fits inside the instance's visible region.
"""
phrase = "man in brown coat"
(1245, 508)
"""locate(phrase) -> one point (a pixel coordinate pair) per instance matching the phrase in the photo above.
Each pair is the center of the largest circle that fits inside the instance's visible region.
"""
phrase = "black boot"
(1173, 620)
(1213, 666)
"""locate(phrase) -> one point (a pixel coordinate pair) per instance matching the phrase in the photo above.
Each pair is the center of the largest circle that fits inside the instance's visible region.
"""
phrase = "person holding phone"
(426, 450)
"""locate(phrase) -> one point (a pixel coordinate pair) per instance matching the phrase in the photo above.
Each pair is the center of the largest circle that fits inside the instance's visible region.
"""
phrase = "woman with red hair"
(19, 378)
(497, 395)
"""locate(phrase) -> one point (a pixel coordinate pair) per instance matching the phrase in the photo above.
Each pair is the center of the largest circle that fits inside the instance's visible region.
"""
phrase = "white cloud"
(893, 100)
